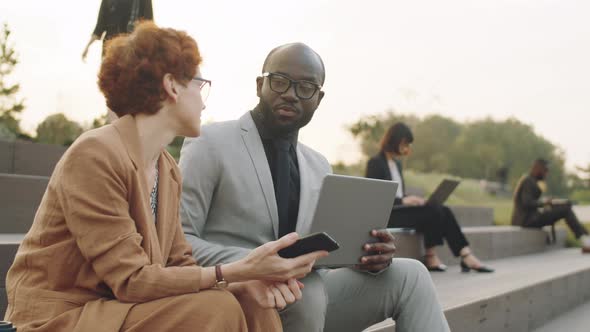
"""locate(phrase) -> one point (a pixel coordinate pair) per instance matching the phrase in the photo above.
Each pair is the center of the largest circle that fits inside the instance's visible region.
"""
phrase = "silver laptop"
(442, 192)
(348, 209)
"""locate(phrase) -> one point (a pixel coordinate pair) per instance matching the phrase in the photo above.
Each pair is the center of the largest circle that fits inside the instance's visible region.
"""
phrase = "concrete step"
(471, 216)
(20, 196)
(3, 301)
(6, 156)
(8, 246)
(495, 242)
(21, 157)
(575, 320)
(523, 294)
(487, 243)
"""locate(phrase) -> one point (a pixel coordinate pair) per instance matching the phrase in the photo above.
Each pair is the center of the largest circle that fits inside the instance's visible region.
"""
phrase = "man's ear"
(170, 86)
(320, 97)
(259, 83)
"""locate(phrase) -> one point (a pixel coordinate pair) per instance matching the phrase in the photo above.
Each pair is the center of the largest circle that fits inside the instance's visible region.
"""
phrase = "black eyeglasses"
(280, 83)
(205, 87)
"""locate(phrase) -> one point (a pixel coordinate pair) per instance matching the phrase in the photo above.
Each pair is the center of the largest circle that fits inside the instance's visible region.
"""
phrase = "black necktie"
(282, 171)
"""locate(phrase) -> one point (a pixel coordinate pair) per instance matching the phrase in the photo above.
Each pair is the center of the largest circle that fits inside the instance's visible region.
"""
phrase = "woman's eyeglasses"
(205, 86)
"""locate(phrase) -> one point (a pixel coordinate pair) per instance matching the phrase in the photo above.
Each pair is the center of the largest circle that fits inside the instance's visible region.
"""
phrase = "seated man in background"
(530, 211)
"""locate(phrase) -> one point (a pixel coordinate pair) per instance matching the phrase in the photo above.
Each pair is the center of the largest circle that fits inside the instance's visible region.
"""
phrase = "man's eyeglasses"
(205, 86)
(280, 83)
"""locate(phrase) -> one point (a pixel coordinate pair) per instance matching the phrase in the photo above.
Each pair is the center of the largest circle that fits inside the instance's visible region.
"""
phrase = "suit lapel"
(305, 215)
(255, 149)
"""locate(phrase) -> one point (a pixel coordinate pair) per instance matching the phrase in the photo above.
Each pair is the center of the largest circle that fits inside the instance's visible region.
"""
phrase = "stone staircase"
(24, 173)
(535, 281)
(8, 245)
(523, 294)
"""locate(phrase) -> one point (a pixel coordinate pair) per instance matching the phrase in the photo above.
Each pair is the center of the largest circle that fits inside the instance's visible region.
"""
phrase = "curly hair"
(134, 66)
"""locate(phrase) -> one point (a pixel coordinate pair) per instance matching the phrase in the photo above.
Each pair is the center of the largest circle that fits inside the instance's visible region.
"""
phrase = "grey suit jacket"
(228, 204)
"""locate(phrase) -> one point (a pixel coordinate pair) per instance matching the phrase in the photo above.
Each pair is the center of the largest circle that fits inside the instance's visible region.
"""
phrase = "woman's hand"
(413, 201)
(263, 263)
(268, 294)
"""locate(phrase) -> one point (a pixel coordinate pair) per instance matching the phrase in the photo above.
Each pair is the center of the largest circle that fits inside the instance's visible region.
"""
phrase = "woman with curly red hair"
(106, 251)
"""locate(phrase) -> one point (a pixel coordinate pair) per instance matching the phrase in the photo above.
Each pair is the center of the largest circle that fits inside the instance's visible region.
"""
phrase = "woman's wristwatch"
(220, 282)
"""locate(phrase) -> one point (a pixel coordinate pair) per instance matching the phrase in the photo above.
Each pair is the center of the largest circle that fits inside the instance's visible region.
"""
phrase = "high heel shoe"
(481, 269)
(437, 268)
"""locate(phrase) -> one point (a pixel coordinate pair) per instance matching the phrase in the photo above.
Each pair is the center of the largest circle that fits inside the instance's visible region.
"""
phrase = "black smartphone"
(310, 243)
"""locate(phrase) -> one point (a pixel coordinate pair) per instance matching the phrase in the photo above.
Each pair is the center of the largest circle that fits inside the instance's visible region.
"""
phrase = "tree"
(585, 175)
(57, 129)
(369, 130)
(6, 133)
(10, 106)
(487, 146)
(435, 134)
(481, 149)
(175, 146)
(99, 122)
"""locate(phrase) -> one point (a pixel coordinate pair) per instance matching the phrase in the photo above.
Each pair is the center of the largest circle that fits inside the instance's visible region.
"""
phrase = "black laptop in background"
(442, 192)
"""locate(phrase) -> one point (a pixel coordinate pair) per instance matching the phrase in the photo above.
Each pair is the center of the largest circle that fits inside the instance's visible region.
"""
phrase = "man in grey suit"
(250, 181)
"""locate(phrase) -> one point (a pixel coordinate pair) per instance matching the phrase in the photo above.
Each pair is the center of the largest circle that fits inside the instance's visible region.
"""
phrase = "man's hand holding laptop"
(379, 253)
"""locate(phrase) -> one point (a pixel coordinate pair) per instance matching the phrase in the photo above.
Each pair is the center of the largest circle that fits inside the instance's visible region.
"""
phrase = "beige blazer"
(93, 250)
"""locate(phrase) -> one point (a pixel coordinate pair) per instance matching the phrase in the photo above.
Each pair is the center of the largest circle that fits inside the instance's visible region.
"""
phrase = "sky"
(464, 59)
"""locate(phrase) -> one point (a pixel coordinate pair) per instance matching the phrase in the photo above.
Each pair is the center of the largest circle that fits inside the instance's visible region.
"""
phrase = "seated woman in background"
(106, 251)
(436, 222)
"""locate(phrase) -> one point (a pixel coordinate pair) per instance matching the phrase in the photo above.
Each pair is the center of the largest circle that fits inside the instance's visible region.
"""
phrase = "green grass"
(469, 192)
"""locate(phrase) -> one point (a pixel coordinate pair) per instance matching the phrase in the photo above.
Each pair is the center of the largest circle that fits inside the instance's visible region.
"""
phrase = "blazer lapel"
(127, 128)
(401, 174)
(255, 149)
(385, 166)
(167, 208)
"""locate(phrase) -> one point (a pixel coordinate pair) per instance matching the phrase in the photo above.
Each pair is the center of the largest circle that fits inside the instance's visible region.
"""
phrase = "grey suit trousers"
(348, 300)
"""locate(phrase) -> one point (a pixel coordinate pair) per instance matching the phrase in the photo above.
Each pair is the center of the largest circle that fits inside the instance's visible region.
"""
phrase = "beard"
(278, 128)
